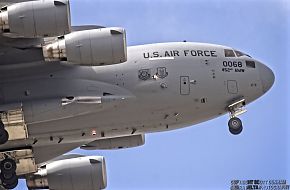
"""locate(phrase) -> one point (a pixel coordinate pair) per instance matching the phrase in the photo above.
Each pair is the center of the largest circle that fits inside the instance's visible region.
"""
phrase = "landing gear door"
(232, 86)
(184, 85)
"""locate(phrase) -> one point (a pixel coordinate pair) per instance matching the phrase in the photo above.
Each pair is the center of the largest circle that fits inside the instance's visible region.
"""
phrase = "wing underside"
(35, 37)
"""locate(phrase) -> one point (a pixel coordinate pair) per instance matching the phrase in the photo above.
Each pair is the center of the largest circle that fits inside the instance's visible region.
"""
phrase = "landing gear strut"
(8, 175)
(4, 136)
(18, 162)
(235, 109)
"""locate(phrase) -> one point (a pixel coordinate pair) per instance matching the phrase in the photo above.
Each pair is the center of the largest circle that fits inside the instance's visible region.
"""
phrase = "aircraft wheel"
(235, 126)
(4, 136)
(11, 185)
(1, 125)
(8, 166)
(8, 178)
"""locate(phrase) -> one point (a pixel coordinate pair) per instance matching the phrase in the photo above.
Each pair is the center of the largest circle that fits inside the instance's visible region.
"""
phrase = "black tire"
(11, 185)
(236, 131)
(4, 136)
(235, 126)
(1, 125)
(235, 123)
(8, 178)
(8, 166)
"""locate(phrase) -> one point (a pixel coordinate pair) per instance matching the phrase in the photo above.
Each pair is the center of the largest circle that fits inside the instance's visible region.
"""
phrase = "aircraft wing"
(36, 37)
(7, 40)
(19, 51)
(21, 41)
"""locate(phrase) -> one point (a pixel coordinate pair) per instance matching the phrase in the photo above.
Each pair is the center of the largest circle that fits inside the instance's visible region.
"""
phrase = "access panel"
(232, 87)
(184, 85)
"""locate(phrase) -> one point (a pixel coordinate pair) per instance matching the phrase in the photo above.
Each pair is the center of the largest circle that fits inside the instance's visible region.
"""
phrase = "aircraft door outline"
(232, 87)
(184, 85)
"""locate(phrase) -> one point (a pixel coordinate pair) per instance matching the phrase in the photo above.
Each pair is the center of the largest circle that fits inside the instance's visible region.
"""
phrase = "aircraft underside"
(65, 87)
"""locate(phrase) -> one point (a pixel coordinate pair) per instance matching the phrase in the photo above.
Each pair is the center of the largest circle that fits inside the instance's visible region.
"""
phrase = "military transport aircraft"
(64, 87)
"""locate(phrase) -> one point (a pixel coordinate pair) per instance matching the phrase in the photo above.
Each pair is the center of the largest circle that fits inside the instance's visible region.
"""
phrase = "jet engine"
(96, 47)
(81, 173)
(46, 18)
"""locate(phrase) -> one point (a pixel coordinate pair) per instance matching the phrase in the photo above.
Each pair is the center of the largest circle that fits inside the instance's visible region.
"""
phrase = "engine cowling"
(82, 173)
(95, 47)
(116, 143)
(46, 18)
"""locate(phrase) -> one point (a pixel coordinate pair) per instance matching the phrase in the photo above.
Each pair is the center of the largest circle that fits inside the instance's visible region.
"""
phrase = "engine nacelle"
(116, 143)
(46, 18)
(82, 173)
(95, 47)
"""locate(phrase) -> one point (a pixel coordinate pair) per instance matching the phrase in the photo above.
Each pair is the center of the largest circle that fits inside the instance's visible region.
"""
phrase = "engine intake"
(82, 173)
(95, 47)
(46, 18)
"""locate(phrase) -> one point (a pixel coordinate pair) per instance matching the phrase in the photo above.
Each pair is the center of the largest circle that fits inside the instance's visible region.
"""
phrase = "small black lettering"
(213, 53)
(240, 70)
(206, 53)
(167, 54)
(155, 54)
(227, 69)
(193, 53)
(225, 63)
(175, 53)
(146, 55)
(199, 53)
(232, 64)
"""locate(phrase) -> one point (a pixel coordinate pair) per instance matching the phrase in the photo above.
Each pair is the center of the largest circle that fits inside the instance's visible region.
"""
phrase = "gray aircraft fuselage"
(161, 87)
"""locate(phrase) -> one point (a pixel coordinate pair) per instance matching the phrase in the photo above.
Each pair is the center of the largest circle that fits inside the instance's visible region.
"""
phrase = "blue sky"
(205, 156)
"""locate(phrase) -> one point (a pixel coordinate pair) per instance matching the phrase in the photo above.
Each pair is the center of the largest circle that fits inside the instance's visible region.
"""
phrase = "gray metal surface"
(130, 102)
(37, 18)
(160, 87)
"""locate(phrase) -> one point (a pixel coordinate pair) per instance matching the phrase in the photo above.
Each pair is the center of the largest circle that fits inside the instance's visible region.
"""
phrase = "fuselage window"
(251, 64)
(229, 53)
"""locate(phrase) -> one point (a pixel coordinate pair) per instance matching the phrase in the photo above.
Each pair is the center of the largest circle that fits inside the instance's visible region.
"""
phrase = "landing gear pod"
(95, 47)
(46, 18)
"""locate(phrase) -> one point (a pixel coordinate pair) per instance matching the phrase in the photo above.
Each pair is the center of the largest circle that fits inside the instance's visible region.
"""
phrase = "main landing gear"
(4, 136)
(235, 109)
(18, 162)
(9, 179)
